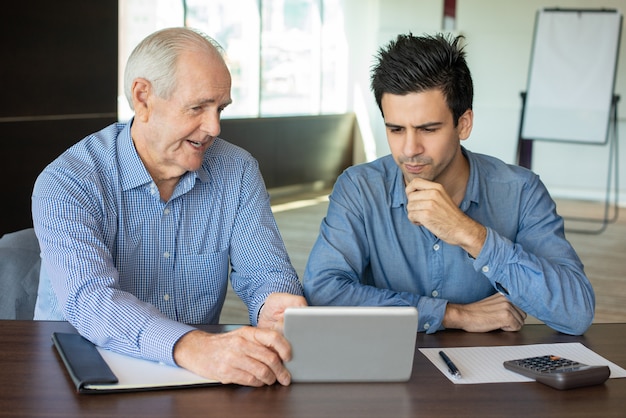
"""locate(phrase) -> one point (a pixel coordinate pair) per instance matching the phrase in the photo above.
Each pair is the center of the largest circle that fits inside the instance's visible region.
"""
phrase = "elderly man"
(140, 223)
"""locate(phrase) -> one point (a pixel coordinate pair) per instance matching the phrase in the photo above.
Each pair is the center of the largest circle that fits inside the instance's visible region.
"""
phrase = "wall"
(60, 63)
(58, 78)
(499, 56)
(499, 34)
(62, 85)
(369, 25)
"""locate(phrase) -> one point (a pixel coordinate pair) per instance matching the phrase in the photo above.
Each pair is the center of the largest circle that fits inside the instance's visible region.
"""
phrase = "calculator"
(559, 372)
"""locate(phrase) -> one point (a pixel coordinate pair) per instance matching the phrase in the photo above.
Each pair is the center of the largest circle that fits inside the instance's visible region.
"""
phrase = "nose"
(211, 124)
(413, 144)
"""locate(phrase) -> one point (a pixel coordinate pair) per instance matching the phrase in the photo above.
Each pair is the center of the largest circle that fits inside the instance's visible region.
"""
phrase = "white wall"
(371, 24)
(499, 34)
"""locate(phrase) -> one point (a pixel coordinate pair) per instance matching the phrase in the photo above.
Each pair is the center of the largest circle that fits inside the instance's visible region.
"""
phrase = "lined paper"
(484, 364)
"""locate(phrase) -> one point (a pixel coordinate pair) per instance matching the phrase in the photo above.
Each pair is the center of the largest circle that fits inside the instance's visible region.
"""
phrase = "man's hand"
(431, 206)
(247, 356)
(494, 312)
(271, 315)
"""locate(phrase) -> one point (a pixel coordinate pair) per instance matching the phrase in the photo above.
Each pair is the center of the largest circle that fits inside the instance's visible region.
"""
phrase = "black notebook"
(95, 370)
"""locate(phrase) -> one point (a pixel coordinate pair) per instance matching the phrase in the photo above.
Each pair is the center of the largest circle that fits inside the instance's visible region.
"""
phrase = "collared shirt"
(369, 253)
(130, 270)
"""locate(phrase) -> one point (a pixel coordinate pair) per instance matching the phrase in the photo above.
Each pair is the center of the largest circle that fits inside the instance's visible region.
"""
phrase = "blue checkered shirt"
(131, 271)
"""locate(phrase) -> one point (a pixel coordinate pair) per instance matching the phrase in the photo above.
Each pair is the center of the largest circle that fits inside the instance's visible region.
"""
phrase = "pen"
(456, 374)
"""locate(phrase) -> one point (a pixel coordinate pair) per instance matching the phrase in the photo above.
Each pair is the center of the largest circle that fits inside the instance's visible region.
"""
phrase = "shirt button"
(166, 254)
(436, 247)
(166, 297)
(485, 269)
(426, 325)
(435, 293)
(166, 211)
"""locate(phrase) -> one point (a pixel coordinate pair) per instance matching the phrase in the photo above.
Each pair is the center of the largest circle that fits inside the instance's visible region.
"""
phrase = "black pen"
(456, 374)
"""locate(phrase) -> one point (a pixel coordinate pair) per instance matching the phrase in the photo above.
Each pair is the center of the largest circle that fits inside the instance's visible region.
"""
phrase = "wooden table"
(34, 383)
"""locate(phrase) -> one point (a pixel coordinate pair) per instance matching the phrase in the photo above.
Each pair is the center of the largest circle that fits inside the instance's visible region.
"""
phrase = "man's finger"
(274, 341)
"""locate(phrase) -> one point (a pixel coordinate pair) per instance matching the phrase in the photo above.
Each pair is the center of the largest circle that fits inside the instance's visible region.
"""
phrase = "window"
(286, 57)
(290, 50)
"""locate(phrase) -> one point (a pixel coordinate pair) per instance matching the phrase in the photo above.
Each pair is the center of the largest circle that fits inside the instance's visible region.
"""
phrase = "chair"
(19, 274)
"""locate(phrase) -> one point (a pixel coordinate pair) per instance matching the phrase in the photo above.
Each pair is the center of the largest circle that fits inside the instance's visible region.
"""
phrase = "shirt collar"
(397, 187)
(472, 191)
(132, 171)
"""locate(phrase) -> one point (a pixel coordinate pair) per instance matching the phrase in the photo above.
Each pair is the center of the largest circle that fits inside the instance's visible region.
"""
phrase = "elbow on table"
(576, 324)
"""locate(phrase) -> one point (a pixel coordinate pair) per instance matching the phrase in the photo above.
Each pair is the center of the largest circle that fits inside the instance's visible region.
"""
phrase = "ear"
(140, 93)
(466, 122)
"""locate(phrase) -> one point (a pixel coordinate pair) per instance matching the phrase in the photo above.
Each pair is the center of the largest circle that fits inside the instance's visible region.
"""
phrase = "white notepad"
(138, 374)
(484, 364)
(96, 370)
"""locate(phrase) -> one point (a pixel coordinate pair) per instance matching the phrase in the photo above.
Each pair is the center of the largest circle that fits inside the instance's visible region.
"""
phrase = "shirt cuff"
(159, 338)
(484, 262)
(430, 314)
(258, 304)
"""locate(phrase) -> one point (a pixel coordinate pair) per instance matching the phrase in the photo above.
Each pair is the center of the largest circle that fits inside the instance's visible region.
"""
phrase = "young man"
(470, 241)
(140, 223)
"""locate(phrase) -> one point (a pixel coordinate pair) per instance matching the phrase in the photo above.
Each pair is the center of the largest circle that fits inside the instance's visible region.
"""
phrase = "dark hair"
(412, 64)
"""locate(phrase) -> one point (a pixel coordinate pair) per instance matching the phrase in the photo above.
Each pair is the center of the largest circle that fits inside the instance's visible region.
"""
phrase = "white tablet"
(351, 344)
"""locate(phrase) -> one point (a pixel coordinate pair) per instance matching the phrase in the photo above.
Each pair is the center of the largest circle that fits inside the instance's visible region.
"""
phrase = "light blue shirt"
(129, 270)
(369, 253)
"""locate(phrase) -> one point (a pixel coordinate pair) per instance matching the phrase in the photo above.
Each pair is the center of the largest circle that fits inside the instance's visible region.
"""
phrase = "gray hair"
(154, 58)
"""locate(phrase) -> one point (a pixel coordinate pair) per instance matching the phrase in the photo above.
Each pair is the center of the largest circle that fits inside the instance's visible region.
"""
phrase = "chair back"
(20, 263)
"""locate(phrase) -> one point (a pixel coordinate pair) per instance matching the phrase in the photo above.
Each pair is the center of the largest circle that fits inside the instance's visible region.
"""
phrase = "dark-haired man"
(472, 242)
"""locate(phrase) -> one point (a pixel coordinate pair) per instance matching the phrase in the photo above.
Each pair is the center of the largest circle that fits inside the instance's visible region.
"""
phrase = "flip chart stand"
(570, 95)
(611, 207)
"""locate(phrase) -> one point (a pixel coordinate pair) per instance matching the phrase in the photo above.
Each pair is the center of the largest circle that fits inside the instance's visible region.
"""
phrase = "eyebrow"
(422, 126)
(203, 102)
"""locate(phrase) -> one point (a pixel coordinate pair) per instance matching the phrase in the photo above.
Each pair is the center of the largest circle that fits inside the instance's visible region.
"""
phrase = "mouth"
(414, 168)
(195, 144)
(200, 145)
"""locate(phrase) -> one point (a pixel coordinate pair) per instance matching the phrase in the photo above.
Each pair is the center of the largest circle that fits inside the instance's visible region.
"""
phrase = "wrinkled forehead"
(203, 73)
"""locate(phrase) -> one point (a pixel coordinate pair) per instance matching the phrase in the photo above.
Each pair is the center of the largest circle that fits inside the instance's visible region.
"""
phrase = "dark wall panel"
(58, 77)
(295, 150)
(27, 147)
(58, 57)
